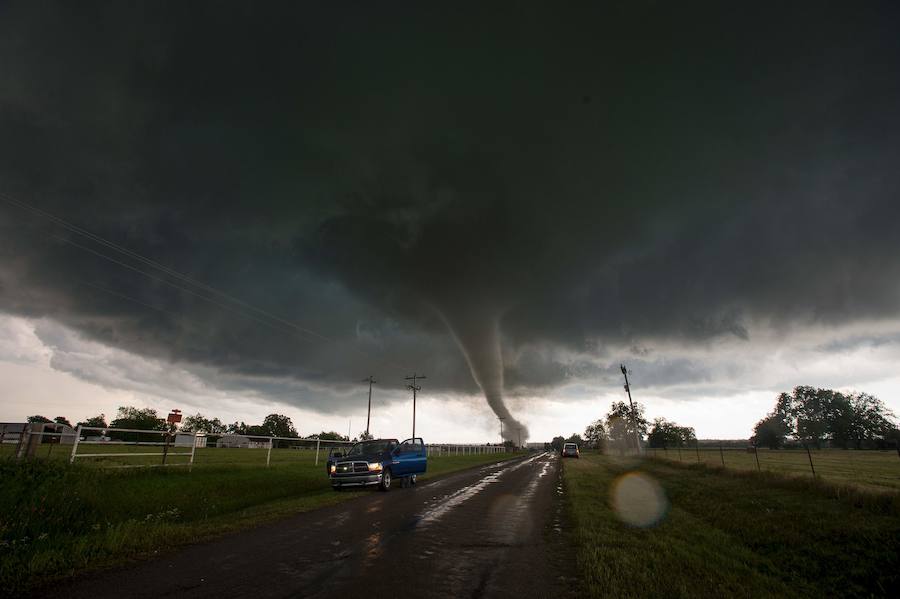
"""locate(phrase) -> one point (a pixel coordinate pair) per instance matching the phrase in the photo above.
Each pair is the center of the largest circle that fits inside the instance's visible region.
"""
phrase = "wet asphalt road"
(493, 531)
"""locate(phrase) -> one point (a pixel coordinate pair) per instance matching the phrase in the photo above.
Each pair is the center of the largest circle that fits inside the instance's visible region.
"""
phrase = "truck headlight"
(333, 468)
(375, 467)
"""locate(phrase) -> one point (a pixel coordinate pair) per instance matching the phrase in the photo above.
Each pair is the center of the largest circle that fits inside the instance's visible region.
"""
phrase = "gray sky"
(512, 202)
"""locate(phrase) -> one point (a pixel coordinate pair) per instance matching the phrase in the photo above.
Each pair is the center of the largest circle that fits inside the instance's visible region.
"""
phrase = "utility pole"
(371, 380)
(501, 419)
(414, 388)
(520, 437)
(637, 438)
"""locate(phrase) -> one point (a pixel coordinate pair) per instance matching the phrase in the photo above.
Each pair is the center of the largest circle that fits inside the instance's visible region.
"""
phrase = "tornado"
(477, 332)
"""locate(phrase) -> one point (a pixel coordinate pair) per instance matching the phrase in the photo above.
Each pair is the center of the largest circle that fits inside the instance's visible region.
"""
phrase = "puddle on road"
(372, 548)
(513, 525)
(558, 511)
(456, 498)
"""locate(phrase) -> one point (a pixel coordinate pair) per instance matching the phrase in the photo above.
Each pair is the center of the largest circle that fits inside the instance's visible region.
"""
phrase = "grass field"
(206, 456)
(729, 533)
(867, 468)
(57, 519)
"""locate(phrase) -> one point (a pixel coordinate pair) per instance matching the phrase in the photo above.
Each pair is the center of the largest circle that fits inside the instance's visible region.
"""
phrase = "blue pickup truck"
(377, 462)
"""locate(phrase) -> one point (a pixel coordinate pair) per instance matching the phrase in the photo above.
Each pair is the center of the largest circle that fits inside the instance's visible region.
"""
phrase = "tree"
(62, 420)
(199, 423)
(364, 436)
(97, 421)
(557, 443)
(38, 419)
(622, 421)
(815, 416)
(688, 435)
(871, 419)
(576, 439)
(237, 428)
(278, 425)
(770, 432)
(141, 419)
(595, 435)
(668, 434)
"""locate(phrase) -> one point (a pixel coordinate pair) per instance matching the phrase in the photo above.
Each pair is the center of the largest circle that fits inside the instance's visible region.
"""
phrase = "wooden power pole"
(414, 387)
(371, 380)
(637, 438)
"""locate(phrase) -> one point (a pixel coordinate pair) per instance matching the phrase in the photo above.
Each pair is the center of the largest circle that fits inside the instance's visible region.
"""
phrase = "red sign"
(174, 417)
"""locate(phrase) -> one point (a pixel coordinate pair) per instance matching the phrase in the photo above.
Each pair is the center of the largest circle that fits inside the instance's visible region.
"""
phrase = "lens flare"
(638, 500)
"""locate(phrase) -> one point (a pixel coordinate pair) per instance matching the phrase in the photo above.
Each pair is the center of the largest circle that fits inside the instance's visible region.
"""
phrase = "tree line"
(147, 419)
(807, 415)
(825, 417)
(623, 426)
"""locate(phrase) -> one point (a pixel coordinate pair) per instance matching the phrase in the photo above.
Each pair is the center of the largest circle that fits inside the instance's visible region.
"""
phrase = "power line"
(125, 297)
(240, 307)
(165, 282)
(154, 264)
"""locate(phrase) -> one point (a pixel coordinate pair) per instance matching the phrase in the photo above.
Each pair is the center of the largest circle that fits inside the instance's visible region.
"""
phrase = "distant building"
(11, 432)
(185, 439)
(29, 436)
(241, 441)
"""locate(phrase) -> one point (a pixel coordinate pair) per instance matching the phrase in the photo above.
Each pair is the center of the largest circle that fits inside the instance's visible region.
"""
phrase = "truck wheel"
(385, 483)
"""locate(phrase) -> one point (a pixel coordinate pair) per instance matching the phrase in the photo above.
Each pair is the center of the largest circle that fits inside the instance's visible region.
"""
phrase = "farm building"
(184, 439)
(241, 441)
(11, 432)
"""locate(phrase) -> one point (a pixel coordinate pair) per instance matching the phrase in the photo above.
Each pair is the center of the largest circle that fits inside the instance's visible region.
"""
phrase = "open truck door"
(410, 458)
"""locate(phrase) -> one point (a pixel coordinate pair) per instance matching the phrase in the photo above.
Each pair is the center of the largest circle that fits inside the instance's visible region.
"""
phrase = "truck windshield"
(368, 447)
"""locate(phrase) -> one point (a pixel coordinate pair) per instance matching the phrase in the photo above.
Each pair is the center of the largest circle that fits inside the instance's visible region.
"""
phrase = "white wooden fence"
(180, 448)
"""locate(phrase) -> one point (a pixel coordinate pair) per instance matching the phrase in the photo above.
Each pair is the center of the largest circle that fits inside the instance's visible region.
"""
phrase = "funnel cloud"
(477, 331)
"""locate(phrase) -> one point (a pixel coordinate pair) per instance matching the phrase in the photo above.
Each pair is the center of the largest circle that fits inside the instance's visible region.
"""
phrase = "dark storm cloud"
(580, 178)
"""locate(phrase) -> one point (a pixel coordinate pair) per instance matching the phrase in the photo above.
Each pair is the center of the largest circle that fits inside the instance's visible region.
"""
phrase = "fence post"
(75, 444)
(679, 453)
(165, 448)
(193, 450)
(722, 453)
(318, 441)
(809, 455)
(697, 447)
(22, 445)
(269, 453)
(756, 453)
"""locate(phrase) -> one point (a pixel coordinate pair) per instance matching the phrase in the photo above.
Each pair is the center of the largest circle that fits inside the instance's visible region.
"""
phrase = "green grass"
(57, 519)
(733, 533)
(866, 468)
(207, 456)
